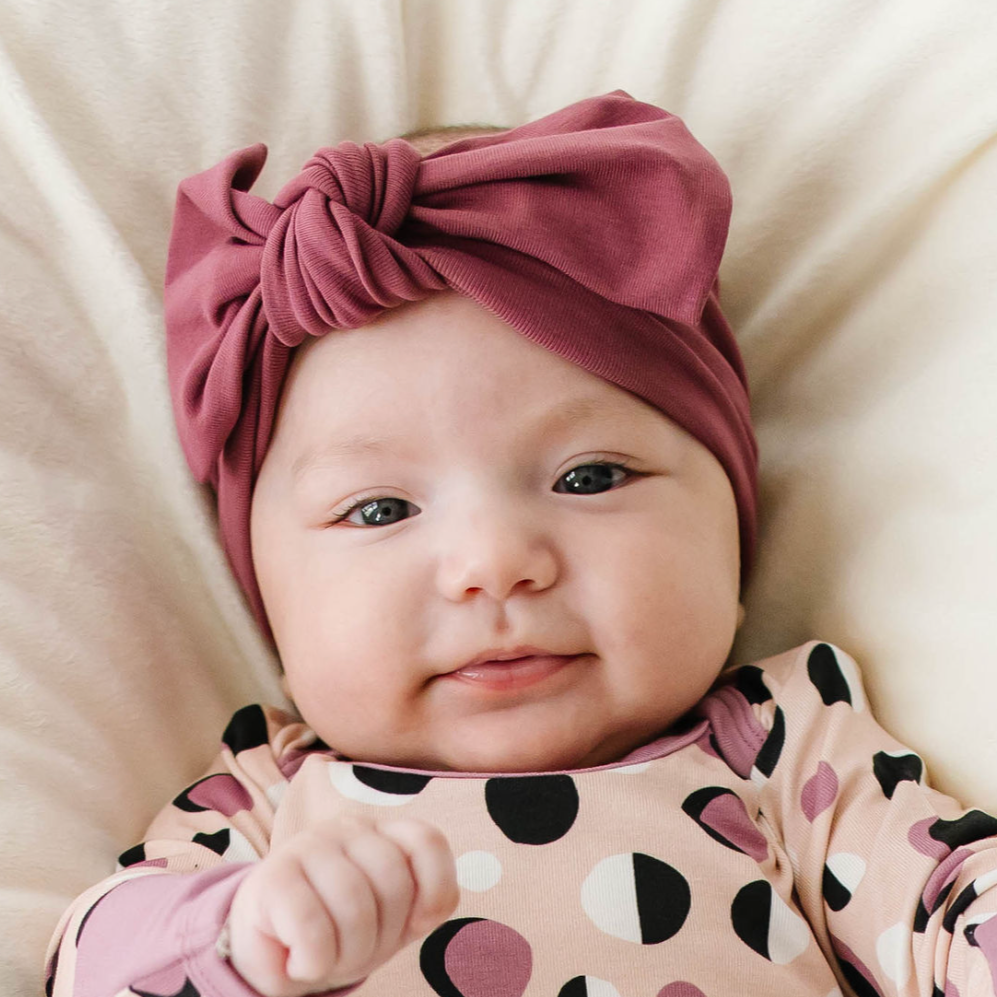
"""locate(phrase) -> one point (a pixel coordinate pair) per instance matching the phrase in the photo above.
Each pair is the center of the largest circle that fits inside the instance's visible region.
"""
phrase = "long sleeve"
(152, 928)
(896, 879)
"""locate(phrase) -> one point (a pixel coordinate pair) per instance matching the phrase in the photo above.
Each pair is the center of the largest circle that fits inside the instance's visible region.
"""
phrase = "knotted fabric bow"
(596, 231)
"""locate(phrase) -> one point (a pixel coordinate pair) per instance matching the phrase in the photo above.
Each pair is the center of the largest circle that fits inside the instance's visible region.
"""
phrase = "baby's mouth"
(511, 674)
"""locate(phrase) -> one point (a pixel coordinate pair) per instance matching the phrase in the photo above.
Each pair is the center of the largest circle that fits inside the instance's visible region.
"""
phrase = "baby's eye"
(376, 512)
(589, 479)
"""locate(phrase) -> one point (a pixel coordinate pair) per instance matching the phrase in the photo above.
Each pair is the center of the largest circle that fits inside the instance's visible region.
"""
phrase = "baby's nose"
(499, 553)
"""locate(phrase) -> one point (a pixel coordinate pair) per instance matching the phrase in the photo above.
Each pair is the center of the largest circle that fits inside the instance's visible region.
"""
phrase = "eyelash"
(630, 473)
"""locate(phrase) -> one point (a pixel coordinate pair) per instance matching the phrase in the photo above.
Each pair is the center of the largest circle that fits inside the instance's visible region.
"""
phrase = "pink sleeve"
(897, 880)
(155, 935)
(152, 927)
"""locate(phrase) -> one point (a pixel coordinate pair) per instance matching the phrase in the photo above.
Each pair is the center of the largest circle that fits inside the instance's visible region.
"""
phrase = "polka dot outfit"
(775, 841)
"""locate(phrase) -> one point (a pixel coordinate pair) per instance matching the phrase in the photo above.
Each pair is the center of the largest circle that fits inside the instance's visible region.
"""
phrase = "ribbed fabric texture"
(596, 232)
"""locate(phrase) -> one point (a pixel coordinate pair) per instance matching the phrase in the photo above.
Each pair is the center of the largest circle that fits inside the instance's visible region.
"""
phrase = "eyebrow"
(573, 411)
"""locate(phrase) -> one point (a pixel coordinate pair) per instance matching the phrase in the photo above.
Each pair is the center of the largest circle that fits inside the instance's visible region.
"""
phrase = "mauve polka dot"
(680, 989)
(819, 791)
(488, 959)
(223, 793)
(855, 971)
(923, 842)
(478, 871)
(726, 815)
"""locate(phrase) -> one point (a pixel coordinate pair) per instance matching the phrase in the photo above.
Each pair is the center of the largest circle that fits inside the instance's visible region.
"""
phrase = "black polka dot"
(474, 956)
(734, 817)
(399, 783)
(770, 751)
(247, 729)
(961, 902)
(574, 988)
(836, 894)
(695, 803)
(857, 979)
(51, 970)
(663, 898)
(891, 770)
(86, 917)
(217, 842)
(432, 956)
(943, 895)
(972, 826)
(750, 913)
(826, 675)
(185, 803)
(187, 990)
(921, 917)
(749, 682)
(132, 856)
(534, 809)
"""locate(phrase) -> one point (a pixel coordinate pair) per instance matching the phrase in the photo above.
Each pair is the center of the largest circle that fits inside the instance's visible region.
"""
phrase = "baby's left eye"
(588, 479)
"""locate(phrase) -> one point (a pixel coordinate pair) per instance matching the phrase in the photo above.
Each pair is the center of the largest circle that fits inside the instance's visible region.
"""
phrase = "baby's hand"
(336, 901)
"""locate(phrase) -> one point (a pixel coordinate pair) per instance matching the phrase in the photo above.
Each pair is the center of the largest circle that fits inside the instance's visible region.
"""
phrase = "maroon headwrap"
(596, 232)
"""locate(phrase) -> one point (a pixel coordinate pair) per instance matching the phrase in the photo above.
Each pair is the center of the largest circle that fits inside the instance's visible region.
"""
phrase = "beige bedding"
(861, 276)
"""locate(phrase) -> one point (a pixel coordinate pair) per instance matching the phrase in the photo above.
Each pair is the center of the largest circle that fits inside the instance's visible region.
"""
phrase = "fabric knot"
(330, 260)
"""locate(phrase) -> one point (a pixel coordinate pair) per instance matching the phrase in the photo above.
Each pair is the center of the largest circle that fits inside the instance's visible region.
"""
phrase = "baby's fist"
(336, 901)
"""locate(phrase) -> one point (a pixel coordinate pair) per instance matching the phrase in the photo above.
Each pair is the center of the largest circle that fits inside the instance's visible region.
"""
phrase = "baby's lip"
(509, 654)
(509, 675)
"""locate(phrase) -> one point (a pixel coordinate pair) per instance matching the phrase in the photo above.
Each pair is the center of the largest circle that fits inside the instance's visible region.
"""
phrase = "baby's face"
(501, 498)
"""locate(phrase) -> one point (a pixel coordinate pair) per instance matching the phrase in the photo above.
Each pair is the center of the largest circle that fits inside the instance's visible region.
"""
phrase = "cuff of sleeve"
(204, 959)
(207, 949)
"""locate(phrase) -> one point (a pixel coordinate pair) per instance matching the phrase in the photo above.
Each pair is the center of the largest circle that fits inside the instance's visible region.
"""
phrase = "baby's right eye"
(375, 512)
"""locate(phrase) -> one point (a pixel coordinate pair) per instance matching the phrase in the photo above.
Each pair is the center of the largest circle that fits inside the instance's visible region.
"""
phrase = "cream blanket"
(861, 276)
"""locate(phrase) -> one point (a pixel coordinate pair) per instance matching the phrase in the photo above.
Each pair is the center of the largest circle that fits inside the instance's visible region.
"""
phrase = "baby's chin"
(521, 756)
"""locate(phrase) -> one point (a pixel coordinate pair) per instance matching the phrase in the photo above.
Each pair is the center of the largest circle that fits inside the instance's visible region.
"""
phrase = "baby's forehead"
(446, 355)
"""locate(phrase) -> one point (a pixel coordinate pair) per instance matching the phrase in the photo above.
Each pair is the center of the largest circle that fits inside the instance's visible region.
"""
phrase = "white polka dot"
(341, 775)
(478, 871)
(848, 869)
(983, 883)
(609, 897)
(630, 770)
(851, 674)
(275, 793)
(239, 849)
(789, 934)
(893, 953)
(794, 859)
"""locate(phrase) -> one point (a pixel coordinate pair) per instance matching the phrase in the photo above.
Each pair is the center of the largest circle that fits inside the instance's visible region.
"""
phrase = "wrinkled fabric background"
(860, 276)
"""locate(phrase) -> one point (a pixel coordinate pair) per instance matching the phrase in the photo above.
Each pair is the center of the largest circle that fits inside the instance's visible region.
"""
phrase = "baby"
(496, 525)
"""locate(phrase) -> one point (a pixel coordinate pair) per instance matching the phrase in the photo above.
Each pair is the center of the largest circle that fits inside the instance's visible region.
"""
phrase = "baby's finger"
(270, 928)
(433, 869)
(387, 869)
(348, 898)
(301, 923)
